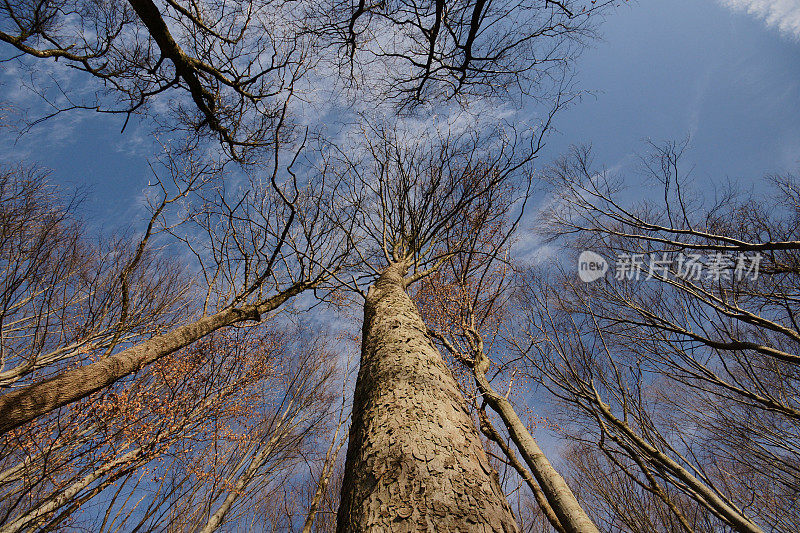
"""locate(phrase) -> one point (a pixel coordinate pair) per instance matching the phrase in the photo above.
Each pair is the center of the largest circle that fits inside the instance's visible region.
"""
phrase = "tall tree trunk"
(415, 461)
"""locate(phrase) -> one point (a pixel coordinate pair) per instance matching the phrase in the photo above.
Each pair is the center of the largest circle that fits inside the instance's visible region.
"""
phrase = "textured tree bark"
(414, 461)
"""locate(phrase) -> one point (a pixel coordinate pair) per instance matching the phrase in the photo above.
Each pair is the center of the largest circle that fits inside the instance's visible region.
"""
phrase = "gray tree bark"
(414, 461)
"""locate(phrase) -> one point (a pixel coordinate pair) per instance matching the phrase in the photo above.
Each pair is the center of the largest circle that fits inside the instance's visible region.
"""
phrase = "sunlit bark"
(415, 460)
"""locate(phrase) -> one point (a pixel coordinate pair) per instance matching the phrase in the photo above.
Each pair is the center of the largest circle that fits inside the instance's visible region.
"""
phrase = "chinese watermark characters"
(715, 266)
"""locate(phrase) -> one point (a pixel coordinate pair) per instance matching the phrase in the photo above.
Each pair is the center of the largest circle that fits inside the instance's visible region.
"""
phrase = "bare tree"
(206, 433)
(414, 454)
(255, 247)
(58, 296)
(231, 67)
(621, 502)
(461, 50)
(683, 378)
(465, 308)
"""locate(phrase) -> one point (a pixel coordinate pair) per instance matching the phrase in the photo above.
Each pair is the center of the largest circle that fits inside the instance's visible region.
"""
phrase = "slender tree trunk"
(415, 461)
(324, 479)
(239, 486)
(34, 517)
(708, 496)
(33, 401)
(569, 512)
(491, 433)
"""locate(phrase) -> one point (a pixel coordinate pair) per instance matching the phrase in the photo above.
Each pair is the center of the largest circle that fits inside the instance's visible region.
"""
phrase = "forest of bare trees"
(320, 322)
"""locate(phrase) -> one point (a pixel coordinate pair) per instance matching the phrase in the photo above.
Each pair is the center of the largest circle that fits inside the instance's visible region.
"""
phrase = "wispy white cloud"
(781, 14)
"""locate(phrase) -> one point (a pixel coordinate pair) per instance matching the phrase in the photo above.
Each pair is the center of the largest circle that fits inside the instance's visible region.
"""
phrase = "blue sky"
(670, 68)
(665, 69)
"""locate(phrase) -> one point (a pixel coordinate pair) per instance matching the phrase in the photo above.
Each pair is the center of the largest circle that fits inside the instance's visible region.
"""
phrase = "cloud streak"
(783, 15)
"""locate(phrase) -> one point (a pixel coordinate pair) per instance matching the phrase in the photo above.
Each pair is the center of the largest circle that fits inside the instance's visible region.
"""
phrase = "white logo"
(591, 266)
